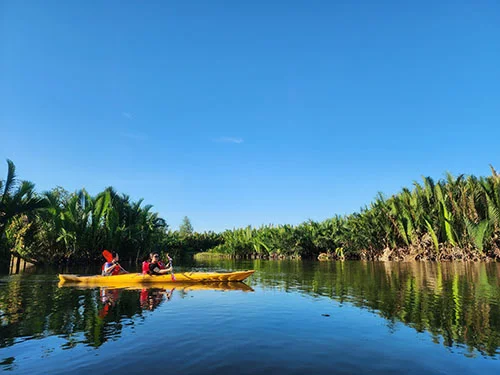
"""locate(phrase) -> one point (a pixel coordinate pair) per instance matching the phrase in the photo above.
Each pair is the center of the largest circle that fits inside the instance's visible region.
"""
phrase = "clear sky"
(248, 112)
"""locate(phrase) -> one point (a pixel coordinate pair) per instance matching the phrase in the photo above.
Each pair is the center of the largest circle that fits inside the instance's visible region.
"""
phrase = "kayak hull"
(138, 278)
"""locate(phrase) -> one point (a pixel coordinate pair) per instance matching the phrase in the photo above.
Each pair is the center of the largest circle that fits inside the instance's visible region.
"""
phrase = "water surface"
(290, 317)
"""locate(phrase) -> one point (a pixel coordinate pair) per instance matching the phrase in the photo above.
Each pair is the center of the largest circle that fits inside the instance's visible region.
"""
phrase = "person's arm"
(108, 269)
(162, 271)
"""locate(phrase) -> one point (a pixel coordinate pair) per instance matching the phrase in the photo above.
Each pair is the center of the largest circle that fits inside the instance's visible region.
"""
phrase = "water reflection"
(33, 307)
(458, 303)
(149, 299)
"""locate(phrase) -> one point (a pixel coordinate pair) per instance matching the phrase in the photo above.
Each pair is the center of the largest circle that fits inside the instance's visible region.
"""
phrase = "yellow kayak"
(138, 278)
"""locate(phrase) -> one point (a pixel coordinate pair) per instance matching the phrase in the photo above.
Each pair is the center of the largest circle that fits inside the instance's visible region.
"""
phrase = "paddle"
(107, 255)
(170, 265)
(109, 258)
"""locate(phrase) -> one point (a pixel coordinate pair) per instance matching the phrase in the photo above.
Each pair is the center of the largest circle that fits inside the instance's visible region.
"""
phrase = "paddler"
(113, 268)
(155, 268)
(146, 263)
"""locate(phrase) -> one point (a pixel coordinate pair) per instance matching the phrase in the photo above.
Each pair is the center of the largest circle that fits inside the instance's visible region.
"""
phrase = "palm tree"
(17, 197)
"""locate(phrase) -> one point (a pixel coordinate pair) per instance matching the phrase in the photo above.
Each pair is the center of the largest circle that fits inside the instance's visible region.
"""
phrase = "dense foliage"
(78, 226)
(454, 218)
(59, 226)
(180, 244)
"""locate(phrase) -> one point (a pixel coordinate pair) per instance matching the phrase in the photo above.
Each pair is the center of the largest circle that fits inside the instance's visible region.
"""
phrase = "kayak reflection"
(149, 299)
(223, 286)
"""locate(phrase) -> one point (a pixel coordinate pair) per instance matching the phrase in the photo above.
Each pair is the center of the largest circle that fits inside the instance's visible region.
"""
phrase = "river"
(290, 317)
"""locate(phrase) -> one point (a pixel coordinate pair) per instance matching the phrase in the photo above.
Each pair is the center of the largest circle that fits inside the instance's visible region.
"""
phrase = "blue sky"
(248, 112)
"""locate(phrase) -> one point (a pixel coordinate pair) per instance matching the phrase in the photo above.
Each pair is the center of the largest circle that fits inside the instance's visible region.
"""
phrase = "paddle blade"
(107, 255)
(173, 277)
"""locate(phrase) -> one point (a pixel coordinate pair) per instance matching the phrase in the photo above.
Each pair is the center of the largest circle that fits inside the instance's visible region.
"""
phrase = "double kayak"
(138, 278)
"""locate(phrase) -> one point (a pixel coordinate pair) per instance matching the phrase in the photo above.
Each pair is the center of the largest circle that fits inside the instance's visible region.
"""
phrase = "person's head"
(151, 256)
(155, 258)
(115, 256)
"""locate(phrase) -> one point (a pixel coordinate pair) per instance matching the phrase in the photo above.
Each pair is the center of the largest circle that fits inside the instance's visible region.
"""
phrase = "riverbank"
(395, 255)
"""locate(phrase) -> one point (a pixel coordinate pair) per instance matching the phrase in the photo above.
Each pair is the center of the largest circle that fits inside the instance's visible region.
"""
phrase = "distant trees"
(186, 241)
(186, 229)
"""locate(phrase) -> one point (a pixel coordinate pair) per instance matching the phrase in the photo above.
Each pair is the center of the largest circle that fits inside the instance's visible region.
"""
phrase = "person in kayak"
(155, 268)
(113, 268)
(146, 263)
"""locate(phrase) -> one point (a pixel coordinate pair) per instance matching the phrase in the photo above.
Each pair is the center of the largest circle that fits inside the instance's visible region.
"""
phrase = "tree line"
(62, 227)
(453, 218)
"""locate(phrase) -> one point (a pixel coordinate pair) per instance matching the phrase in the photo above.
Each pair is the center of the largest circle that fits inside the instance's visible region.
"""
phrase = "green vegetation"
(60, 227)
(210, 255)
(77, 227)
(187, 245)
(454, 218)
(186, 229)
(187, 242)
(17, 198)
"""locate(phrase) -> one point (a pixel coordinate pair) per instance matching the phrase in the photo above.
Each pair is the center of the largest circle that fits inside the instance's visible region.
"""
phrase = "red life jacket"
(145, 267)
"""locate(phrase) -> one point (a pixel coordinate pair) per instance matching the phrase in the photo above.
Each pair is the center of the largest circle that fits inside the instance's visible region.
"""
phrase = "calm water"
(291, 317)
